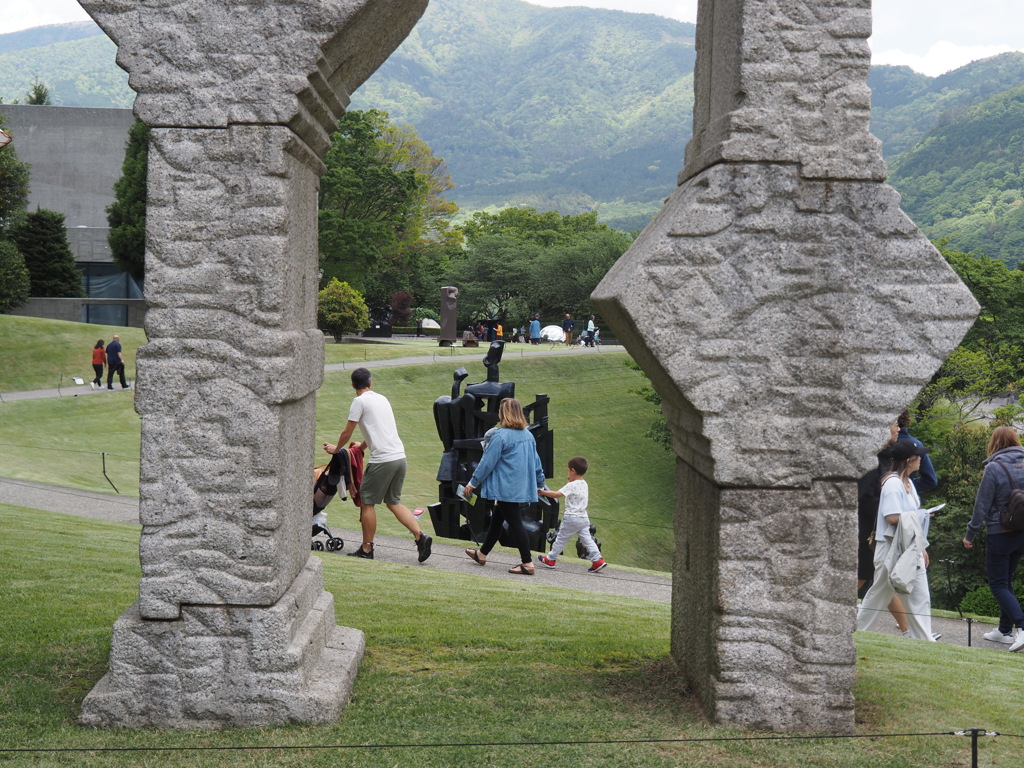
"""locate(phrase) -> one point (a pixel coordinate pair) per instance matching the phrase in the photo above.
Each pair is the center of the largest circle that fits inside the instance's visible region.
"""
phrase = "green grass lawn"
(455, 659)
(44, 354)
(62, 441)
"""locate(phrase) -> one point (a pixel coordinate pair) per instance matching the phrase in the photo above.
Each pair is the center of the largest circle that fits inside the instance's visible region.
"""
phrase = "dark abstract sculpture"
(462, 422)
(449, 311)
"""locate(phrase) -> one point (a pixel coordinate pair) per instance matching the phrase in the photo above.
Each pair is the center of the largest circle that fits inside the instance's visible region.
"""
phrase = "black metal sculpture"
(462, 421)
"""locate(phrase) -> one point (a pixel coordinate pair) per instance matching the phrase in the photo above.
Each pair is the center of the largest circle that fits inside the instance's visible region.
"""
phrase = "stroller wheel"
(318, 546)
(335, 544)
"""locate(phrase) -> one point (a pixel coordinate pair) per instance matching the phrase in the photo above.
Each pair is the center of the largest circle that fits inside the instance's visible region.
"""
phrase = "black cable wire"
(463, 745)
(68, 450)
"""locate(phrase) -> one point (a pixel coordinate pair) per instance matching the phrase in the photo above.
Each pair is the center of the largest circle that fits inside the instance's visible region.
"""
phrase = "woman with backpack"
(1004, 470)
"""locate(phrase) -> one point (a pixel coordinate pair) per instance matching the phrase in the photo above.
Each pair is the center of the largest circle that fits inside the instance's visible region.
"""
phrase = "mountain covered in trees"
(577, 109)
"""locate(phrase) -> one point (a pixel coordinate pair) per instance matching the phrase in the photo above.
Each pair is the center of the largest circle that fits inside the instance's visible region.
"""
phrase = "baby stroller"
(328, 480)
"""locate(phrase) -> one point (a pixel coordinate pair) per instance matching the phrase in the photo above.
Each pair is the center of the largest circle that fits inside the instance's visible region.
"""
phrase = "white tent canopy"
(552, 333)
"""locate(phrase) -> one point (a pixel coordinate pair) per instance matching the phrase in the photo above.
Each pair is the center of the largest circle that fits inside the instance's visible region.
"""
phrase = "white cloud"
(940, 57)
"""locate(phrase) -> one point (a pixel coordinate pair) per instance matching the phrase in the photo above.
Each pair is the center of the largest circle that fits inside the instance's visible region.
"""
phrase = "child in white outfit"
(575, 520)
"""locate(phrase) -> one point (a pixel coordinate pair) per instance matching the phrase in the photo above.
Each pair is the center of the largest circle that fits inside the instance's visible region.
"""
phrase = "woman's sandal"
(520, 570)
(475, 554)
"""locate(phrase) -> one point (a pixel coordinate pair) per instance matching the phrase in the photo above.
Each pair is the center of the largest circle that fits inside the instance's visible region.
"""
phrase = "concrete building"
(75, 154)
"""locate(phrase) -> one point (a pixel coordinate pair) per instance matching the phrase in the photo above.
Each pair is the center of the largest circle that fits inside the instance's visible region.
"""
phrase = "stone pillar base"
(230, 666)
(764, 601)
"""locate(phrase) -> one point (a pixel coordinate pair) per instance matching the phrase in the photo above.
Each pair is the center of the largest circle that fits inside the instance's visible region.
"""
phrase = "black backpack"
(1012, 516)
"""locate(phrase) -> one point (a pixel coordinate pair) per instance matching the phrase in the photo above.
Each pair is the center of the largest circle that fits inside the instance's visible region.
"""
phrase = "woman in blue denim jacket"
(509, 473)
(1003, 549)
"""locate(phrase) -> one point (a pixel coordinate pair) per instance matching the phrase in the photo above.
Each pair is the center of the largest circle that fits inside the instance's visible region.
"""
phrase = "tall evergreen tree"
(127, 214)
(14, 176)
(14, 279)
(43, 241)
(38, 94)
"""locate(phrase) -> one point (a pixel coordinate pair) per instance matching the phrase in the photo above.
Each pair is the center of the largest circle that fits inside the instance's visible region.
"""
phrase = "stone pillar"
(232, 626)
(786, 309)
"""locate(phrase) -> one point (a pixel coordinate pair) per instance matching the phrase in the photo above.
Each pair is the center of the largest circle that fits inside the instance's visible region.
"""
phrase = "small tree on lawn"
(43, 241)
(341, 309)
(14, 279)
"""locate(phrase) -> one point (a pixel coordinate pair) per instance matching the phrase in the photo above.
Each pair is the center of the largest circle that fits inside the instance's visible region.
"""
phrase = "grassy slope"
(479, 661)
(41, 354)
(60, 441)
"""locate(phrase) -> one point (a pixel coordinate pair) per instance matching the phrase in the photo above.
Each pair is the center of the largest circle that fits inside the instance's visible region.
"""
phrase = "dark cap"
(902, 450)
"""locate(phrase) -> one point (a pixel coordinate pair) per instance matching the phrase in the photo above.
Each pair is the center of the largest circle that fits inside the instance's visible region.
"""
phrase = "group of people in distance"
(509, 474)
(893, 534)
(113, 356)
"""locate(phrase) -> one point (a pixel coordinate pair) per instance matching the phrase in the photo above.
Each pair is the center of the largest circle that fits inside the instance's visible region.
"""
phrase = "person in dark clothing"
(1003, 548)
(925, 479)
(567, 327)
(115, 363)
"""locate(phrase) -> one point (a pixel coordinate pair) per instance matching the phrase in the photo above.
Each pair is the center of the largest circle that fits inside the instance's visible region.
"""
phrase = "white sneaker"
(995, 636)
(1018, 641)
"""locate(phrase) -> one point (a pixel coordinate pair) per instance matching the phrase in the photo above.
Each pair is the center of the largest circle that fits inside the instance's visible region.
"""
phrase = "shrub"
(341, 309)
(981, 602)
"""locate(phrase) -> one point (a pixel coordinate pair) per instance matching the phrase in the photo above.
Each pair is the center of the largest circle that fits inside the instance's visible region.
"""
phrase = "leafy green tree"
(43, 241)
(14, 278)
(341, 309)
(14, 177)
(127, 214)
(990, 360)
(494, 278)
(546, 229)
(381, 197)
(565, 275)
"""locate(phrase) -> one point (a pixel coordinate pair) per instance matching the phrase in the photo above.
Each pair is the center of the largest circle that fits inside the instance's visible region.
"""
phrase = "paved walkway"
(571, 572)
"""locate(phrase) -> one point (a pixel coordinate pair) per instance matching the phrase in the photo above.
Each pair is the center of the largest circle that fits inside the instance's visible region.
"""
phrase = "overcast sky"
(932, 36)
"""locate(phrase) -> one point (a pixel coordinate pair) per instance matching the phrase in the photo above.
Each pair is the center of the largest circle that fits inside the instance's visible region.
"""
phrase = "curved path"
(571, 573)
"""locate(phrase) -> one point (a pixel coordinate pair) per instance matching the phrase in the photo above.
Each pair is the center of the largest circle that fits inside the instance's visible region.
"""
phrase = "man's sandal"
(520, 570)
(475, 555)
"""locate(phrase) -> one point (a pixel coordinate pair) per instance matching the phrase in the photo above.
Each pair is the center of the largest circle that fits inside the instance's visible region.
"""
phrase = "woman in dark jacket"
(1003, 549)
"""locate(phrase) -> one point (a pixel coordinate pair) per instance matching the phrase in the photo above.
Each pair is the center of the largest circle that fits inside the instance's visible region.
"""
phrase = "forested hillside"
(577, 109)
(955, 145)
(566, 108)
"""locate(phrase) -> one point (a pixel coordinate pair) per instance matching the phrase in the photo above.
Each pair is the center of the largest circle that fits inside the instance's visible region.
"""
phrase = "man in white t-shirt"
(383, 478)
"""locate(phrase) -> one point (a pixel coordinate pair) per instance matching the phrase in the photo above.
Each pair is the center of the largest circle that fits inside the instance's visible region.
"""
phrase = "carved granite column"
(232, 626)
(787, 310)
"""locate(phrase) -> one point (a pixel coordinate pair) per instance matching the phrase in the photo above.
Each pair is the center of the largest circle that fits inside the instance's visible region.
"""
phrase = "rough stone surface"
(784, 82)
(786, 310)
(221, 666)
(232, 625)
(796, 317)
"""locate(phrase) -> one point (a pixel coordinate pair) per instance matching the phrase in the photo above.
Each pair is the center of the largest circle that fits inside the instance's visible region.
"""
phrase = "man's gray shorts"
(382, 482)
